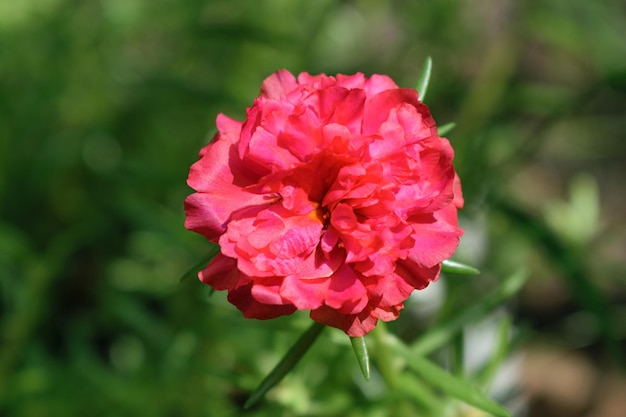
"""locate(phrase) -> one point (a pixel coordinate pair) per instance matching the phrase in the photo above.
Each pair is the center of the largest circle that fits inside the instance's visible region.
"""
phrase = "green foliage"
(362, 355)
(105, 105)
(424, 78)
(286, 364)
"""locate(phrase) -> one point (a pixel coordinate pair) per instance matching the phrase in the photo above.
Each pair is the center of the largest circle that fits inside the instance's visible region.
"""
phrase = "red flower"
(335, 195)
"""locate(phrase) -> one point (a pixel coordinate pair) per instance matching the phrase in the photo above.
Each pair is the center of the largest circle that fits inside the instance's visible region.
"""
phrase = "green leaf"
(421, 393)
(442, 130)
(456, 355)
(451, 385)
(424, 79)
(442, 332)
(286, 364)
(454, 267)
(193, 271)
(360, 349)
(487, 374)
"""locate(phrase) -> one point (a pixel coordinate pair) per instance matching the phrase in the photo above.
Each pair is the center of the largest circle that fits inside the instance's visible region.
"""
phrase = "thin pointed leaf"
(487, 374)
(442, 332)
(421, 393)
(424, 79)
(454, 267)
(451, 385)
(456, 355)
(193, 271)
(360, 349)
(447, 128)
(286, 364)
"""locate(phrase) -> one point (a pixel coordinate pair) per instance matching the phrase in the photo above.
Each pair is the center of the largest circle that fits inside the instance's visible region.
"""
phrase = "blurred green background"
(104, 105)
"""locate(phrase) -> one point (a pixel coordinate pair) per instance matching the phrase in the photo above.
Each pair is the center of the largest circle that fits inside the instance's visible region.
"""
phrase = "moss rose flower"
(335, 195)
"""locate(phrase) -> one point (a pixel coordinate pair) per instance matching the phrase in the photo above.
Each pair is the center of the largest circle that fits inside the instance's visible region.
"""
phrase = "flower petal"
(435, 239)
(242, 298)
(355, 325)
(335, 195)
(222, 274)
(377, 108)
(346, 293)
(279, 83)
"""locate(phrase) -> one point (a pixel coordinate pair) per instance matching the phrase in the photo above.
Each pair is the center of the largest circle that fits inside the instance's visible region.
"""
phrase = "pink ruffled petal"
(219, 178)
(343, 292)
(304, 294)
(301, 135)
(320, 264)
(263, 150)
(356, 81)
(354, 325)
(342, 107)
(267, 291)
(437, 240)
(252, 309)
(336, 195)
(378, 83)
(274, 242)
(377, 108)
(346, 293)
(222, 274)
(389, 313)
(209, 213)
(277, 84)
(416, 276)
(390, 290)
(458, 200)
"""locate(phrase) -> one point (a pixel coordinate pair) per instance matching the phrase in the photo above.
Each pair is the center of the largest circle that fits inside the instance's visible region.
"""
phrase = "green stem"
(286, 364)
(457, 361)
(384, 356)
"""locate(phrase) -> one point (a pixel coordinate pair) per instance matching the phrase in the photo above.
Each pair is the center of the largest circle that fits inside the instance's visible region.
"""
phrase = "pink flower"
(335, 195)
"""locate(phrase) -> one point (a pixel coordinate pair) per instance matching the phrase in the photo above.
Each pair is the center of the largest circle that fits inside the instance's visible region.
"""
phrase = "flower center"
(320, 214)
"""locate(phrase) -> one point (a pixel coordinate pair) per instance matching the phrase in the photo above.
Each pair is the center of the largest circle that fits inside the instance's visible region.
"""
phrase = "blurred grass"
(105, 104)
